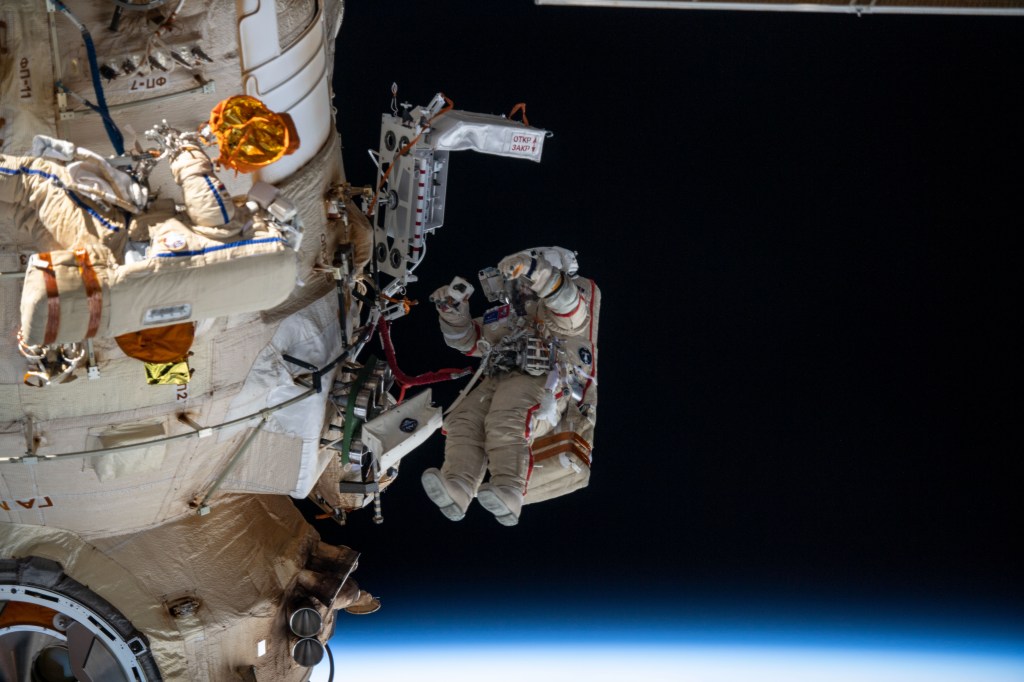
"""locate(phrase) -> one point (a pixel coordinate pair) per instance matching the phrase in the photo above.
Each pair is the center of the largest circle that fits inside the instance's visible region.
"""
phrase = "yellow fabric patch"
(168, 372)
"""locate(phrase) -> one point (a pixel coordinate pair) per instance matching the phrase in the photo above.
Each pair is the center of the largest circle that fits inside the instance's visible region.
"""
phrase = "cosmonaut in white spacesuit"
(69, 205)
(66, 196)
(538, 353)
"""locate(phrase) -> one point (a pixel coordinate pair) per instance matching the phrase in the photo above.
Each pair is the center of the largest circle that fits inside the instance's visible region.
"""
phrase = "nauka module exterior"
(146, 530)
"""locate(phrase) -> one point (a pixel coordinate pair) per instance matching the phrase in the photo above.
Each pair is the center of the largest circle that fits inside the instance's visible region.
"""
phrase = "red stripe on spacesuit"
(93, 291)
(590, 336)
(529, 446)
(579, 302)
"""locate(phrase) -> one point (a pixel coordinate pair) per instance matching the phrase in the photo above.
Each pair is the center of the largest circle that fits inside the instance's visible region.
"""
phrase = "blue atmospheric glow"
(635, 663)
(442, 651)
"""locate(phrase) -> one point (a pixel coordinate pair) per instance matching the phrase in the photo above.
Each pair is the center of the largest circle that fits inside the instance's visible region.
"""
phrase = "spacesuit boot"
(503, 501)
(447, 493)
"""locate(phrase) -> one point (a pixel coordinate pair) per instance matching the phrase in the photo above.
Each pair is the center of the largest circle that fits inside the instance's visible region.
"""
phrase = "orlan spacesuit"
(539, 361)
(86, 200)
(109, 263)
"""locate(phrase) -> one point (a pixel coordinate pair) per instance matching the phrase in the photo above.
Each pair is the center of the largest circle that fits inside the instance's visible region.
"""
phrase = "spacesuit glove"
(48, 147)
(459, 290)
(451, 295)
(440, 296)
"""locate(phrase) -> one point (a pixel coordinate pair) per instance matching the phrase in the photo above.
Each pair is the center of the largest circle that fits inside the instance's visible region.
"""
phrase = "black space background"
(806, 228)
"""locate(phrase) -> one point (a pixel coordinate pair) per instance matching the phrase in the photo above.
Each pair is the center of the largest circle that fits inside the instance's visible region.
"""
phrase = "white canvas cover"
(115, 465)
(487, 134)
(313, 336)
(210, 280)
(384, 435)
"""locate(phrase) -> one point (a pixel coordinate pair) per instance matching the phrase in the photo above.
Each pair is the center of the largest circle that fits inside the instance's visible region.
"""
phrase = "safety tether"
(351, 423)
(116, 139)
(521, 109)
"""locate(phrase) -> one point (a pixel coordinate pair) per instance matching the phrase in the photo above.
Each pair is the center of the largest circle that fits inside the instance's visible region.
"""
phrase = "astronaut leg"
(45, 215)
(509, 430)
(453, 486)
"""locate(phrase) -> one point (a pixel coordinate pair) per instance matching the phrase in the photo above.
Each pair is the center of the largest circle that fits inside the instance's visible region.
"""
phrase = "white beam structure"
(860, 7)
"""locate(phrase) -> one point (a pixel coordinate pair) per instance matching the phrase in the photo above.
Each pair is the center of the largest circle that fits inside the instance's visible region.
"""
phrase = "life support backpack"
(73, 295)
(561, 458)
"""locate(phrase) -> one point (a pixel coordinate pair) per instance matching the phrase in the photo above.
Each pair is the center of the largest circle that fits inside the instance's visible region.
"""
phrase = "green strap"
(351, 424)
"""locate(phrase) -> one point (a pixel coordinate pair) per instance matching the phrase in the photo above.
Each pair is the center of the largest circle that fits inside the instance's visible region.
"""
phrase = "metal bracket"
(31, 441)
(93, 370)
(137, 646)
(200, 431)
(358, 488)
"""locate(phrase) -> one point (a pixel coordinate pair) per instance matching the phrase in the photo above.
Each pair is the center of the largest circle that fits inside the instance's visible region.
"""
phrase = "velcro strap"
(555, 444)
(52, 300)
(93, 291)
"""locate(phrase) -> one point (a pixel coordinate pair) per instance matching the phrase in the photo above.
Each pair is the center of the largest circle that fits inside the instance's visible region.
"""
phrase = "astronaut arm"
(207, 201)
(462, 336)
(457, 326)
(93, 175)
(548, 271)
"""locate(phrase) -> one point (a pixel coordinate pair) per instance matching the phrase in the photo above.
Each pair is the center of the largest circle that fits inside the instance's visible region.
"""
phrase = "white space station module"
(146, 530)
